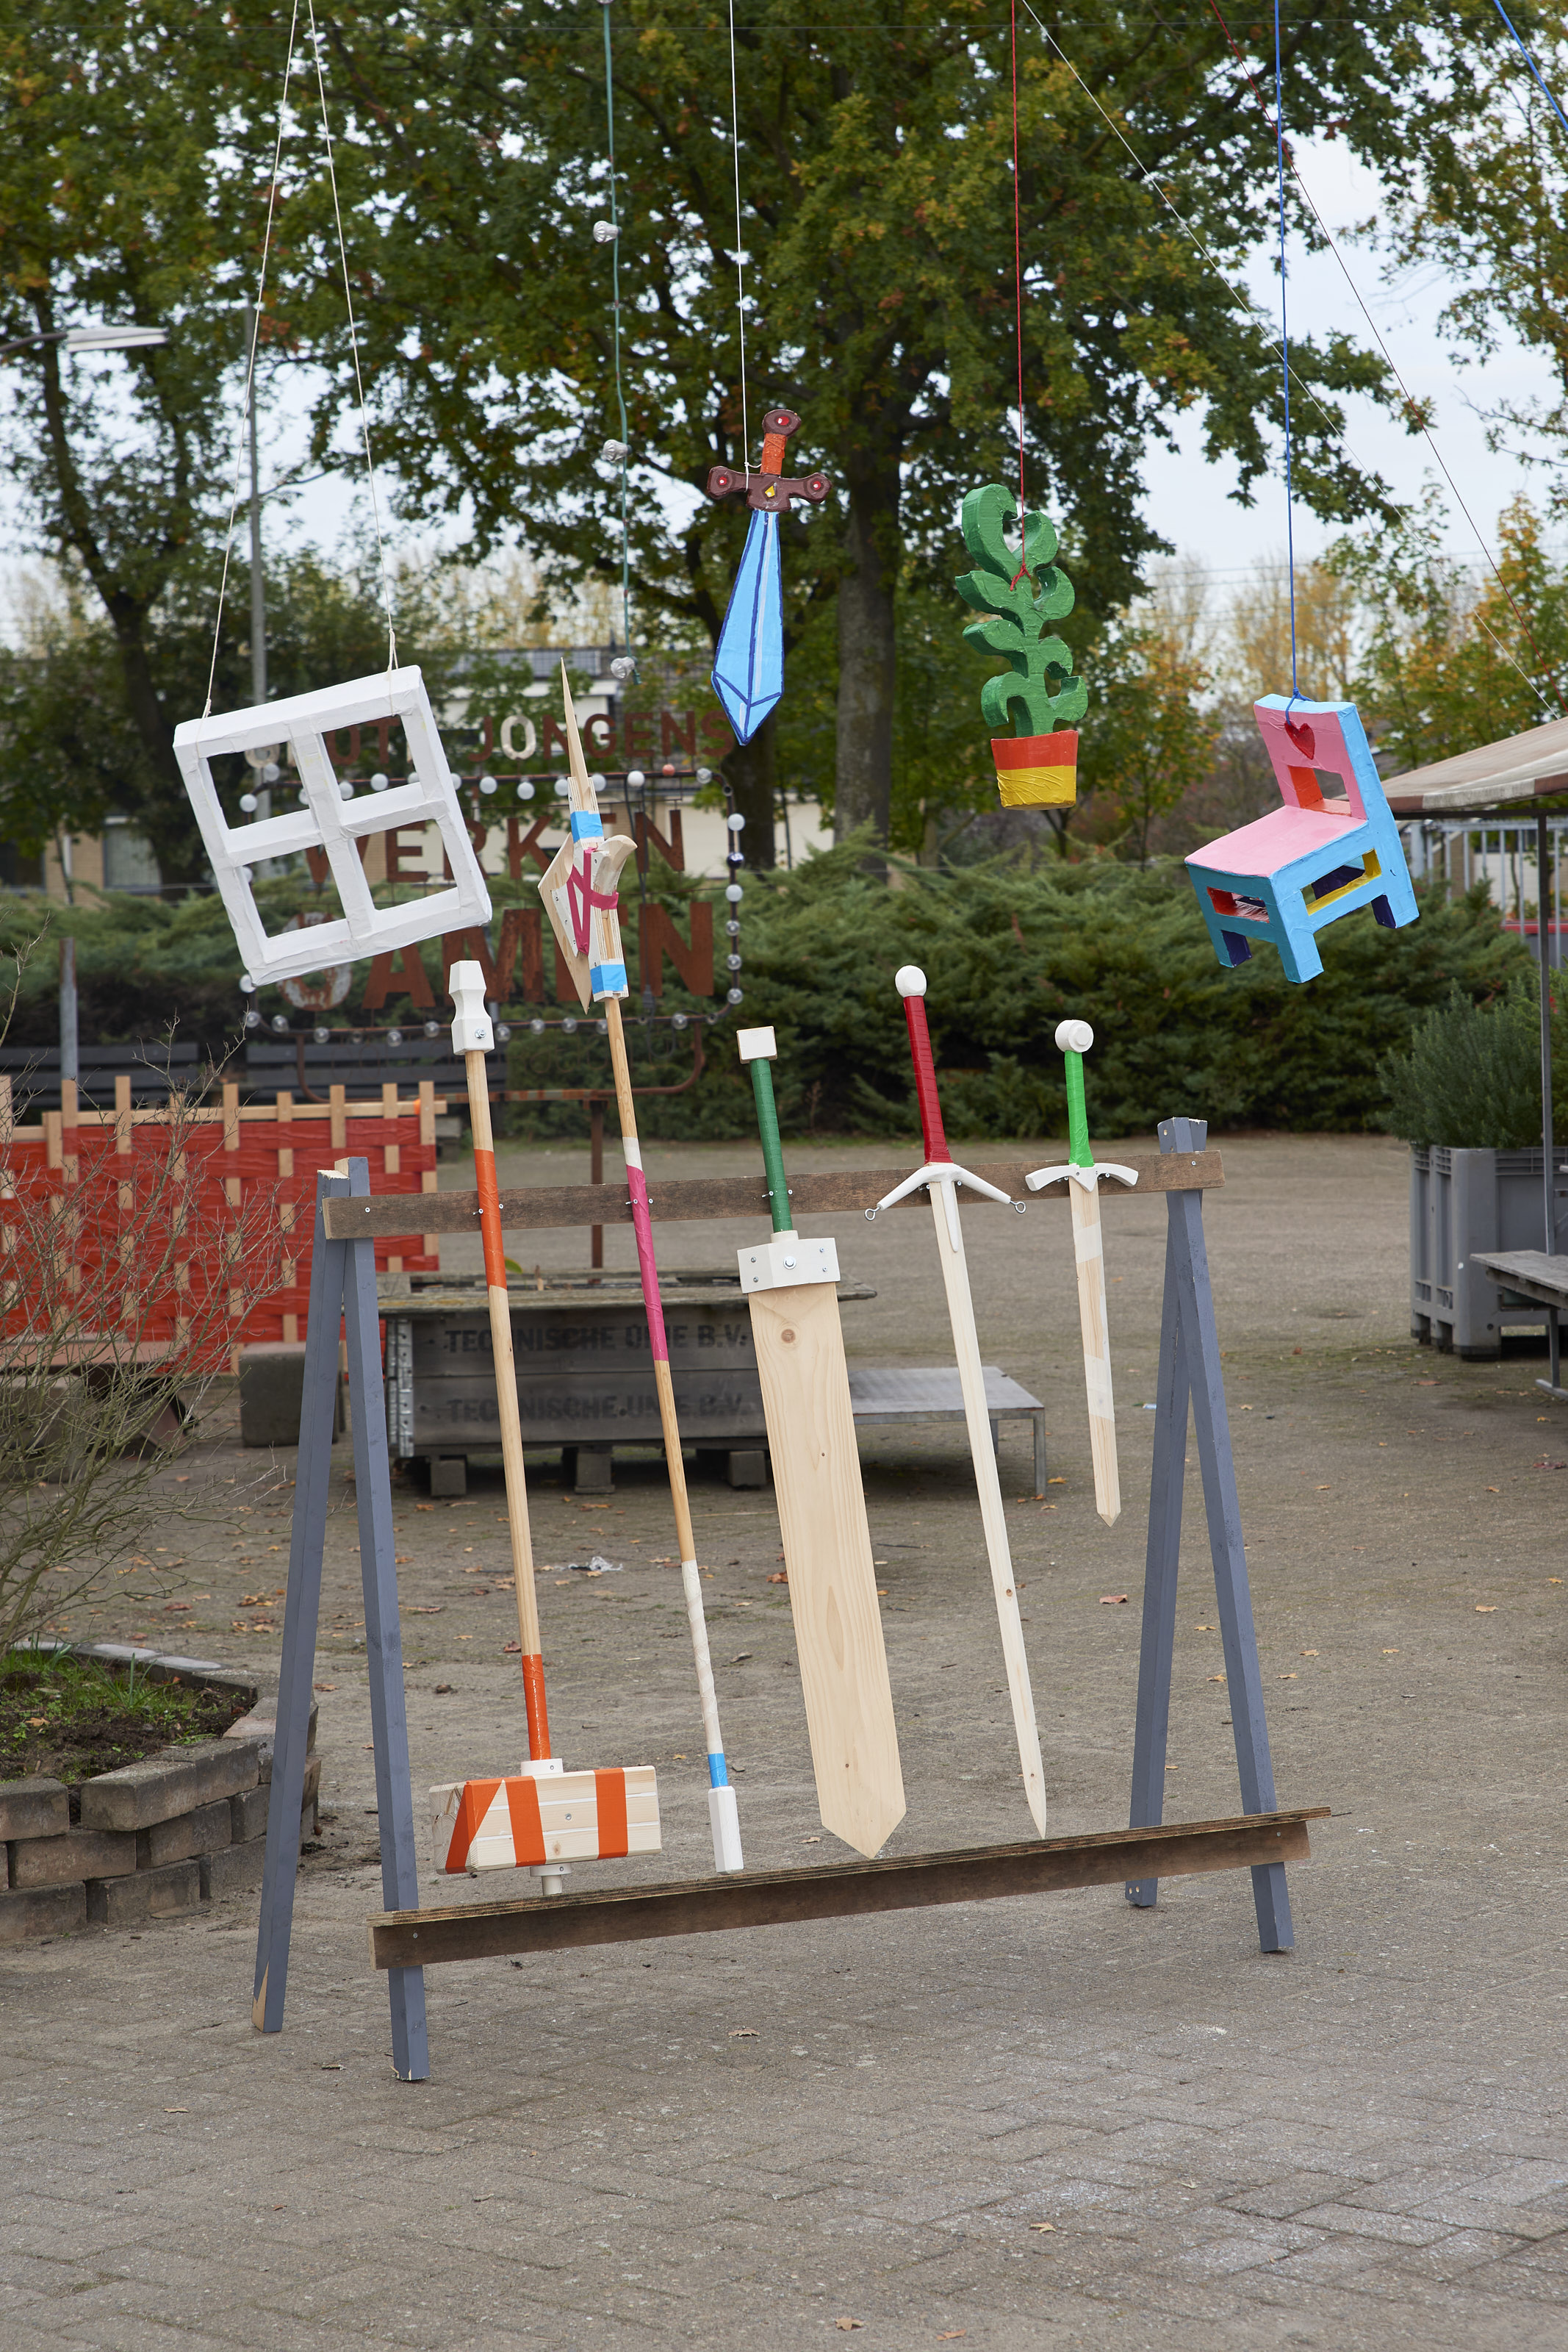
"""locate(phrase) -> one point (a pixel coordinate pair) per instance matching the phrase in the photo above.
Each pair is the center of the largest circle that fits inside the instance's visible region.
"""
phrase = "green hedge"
(1007, 953)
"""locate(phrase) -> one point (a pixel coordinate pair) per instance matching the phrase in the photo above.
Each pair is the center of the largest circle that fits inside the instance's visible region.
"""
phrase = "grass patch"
(71, 1719)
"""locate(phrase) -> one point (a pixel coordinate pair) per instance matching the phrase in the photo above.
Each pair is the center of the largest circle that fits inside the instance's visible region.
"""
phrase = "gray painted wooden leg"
(301, 1610)
(1244, 1680)
(384, 1641)
(1041, 1464)
(1160, 1580)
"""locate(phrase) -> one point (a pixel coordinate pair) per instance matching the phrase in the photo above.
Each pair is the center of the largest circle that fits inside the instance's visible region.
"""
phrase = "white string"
(250, 362)
(739, 260)
(353, 342)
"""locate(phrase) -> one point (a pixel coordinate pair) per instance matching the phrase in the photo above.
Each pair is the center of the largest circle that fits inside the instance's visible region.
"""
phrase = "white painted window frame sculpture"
(330, 822)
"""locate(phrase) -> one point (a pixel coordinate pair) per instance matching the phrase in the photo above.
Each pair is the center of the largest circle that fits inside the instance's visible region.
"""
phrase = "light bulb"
(569, 1025)
(271, 772)
(733, 996)
(679, 1020)
(735, 894)
(525, 789)
(345, 789)
(635, 778)
(248, 803)
(378, 781)
(432, 1028)
(487, 784)
(737, 822)
(280, 1022)
(503, 1032)
(394, 1037)
(537, 1026)
(320, 1033)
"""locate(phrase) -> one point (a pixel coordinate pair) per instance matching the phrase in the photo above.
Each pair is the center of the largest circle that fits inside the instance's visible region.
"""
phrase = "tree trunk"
(867, 660)
(749, 770)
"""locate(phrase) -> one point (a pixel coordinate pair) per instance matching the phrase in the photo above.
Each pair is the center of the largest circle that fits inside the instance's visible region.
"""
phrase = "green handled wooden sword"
(1082, 1175)
(792, 1286)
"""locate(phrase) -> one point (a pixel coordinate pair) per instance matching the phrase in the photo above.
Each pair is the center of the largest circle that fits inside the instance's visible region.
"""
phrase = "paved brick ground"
(755, 2140)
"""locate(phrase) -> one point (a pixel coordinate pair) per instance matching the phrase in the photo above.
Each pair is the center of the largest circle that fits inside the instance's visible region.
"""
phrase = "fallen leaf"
(813, 1840)
(847, 2324)
(1217, 1678)
(1391, 1653)
(1321, 1490)
(1111, 1599)
(515, 1647)
(744, 2034)
(1291, 1679)
(1042, 2225)
(441, 1688)
(1494, 1490)
(780, 1576)
(323, 1686)
(1486, 1608)
(1056, 1482)
(951, 2335)
(424, 1608)
(424, 1506)
(1309, 1653)
(402, 1559)
(741, 1656)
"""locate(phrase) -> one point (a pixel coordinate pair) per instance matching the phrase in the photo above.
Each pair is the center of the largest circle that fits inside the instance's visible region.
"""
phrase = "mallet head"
(1073, 1036)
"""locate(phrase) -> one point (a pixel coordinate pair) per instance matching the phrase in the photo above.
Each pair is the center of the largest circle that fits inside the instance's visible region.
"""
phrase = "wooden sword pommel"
(766, 490)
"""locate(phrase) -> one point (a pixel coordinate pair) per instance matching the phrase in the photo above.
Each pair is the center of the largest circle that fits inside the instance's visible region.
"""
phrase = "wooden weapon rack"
(405, 1938)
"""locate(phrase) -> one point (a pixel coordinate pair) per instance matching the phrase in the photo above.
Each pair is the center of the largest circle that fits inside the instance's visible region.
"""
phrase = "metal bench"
(1533, 1273)
(889, 1395)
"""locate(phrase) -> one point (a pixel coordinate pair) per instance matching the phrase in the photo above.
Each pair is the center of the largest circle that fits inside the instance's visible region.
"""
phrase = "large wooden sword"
(942, 1176)
(1082, 1176)
(793, 1288)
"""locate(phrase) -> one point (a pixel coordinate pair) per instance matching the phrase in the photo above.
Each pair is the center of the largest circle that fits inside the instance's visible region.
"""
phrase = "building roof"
(1521, 767)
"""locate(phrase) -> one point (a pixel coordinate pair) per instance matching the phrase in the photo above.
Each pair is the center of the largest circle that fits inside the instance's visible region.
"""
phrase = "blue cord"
(620, 395)
(1529, 61)
(1285, 352)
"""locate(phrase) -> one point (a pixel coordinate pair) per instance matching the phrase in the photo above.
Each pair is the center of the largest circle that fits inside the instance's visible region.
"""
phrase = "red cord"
(1018, 289)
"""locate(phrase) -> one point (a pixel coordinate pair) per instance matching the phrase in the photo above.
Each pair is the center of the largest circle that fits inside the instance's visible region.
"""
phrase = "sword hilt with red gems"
(766, 490)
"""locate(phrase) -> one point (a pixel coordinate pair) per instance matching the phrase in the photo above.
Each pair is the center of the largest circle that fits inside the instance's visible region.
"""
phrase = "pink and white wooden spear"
(579, 896)
(941, 1176)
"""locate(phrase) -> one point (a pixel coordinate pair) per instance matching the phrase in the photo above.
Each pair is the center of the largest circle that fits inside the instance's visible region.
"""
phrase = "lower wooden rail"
(775, 1898)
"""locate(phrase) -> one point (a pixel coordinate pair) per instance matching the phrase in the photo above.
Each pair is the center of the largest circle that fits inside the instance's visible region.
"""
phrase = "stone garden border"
(164, 1836)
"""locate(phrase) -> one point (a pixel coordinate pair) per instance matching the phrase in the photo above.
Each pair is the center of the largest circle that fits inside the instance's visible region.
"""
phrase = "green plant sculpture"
(1037, 764)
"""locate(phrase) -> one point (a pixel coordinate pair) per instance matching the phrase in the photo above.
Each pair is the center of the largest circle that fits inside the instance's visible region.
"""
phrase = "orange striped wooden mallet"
(479, 1824)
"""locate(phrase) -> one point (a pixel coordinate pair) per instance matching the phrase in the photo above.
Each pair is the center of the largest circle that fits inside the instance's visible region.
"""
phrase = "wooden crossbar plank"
(723, 1196)
(773, 1898)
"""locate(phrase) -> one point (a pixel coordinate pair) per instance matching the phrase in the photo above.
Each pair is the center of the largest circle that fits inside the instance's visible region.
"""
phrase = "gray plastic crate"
(1461, 1201)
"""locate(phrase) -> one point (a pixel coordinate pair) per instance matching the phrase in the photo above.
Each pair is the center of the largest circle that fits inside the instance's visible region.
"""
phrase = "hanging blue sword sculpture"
(748, 667)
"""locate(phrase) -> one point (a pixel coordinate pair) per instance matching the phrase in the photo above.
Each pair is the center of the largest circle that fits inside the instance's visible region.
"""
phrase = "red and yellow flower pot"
(1037, 771)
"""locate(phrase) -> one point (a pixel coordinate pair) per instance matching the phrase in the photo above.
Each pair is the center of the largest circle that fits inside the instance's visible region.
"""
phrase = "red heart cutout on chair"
(1302, 736)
